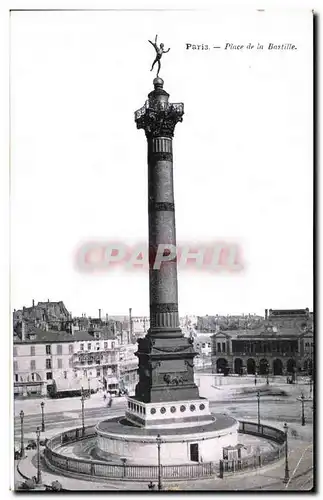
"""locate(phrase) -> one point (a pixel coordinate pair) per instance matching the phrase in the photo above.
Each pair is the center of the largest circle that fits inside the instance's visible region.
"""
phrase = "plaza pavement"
(231, 398)
(32, 406)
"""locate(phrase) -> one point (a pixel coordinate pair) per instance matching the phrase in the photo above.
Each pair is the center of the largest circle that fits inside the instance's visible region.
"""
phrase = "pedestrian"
(151, 486)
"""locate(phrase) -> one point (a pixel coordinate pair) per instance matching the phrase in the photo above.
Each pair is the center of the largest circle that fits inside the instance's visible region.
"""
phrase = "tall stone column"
(165, 356)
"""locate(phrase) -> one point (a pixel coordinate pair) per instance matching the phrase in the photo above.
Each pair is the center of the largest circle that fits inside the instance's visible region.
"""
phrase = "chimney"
(266, 314)
(130, 326)
(33, 303)
(99, 313)
(23, 331)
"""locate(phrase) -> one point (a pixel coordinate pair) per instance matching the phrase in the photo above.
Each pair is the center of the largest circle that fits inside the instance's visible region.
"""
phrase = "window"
(59, 349)
(49, 375)
(105, 345)
(32, 350)
(59, 363)
(15, 366)
(82, 347)
(98, 372)
(48, 364)
(70, 362)
(16, 377)
(15, 351)
(32, 365)
(97, 346)
(85, 373)
(71, 349)
(218, 347)
(48, 349)
(65, 374)
(89, 346)
(112, 345)
(203, 345)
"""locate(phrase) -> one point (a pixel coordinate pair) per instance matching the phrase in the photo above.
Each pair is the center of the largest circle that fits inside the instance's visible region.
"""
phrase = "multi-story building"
(203, 347)
(128, 367)
(282, 345)
(43, 358)
(140, 326)
(208, 324)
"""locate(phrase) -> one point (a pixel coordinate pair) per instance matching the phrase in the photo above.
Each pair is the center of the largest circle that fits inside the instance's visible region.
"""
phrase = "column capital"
(158, 117)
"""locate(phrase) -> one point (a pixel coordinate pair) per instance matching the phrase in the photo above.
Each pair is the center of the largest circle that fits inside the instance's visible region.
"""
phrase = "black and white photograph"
(162, 323)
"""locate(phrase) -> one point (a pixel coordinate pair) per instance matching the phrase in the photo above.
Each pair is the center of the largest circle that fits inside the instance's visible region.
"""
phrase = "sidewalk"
(27, 468)
(32, 406)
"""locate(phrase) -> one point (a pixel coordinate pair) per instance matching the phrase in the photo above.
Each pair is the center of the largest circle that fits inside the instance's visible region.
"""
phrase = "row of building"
(55, 353)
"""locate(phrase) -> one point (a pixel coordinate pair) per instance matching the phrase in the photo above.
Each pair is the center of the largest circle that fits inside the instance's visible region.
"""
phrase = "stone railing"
(102, 469)
(265, 431)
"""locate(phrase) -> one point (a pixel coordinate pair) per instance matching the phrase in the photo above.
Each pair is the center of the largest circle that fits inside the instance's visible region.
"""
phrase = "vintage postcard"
(161, 194)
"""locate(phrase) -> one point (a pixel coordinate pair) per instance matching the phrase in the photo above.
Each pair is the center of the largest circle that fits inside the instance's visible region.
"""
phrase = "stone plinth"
(117, 437)
(171, 414)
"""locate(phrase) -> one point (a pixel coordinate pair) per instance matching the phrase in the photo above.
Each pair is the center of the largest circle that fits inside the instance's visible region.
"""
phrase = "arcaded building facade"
(283, 345)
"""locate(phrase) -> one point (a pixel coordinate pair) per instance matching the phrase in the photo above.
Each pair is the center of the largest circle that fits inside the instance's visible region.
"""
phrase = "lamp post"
(82, 403)
(302, 399)
(38, 457)
(42, 404)
(258, 405)
(89, 387)
(286, 478)
(22, 448)
(158, 440)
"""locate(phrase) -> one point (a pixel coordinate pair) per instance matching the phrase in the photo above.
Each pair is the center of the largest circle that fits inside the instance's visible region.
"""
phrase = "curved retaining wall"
(103, 470)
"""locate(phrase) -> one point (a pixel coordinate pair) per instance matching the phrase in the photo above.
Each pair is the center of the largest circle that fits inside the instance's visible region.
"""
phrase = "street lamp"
(267, 373)
(22, 448)
(286, 478)
(82, 403)
(302, 399)
(158, 440)
(42, 404)
(38, 456)
(258, 404)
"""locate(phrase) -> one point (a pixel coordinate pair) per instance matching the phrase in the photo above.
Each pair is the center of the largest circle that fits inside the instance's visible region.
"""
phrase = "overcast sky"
(243, 167)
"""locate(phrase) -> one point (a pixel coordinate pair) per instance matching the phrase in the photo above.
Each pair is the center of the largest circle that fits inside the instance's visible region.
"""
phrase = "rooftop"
(40, 336)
